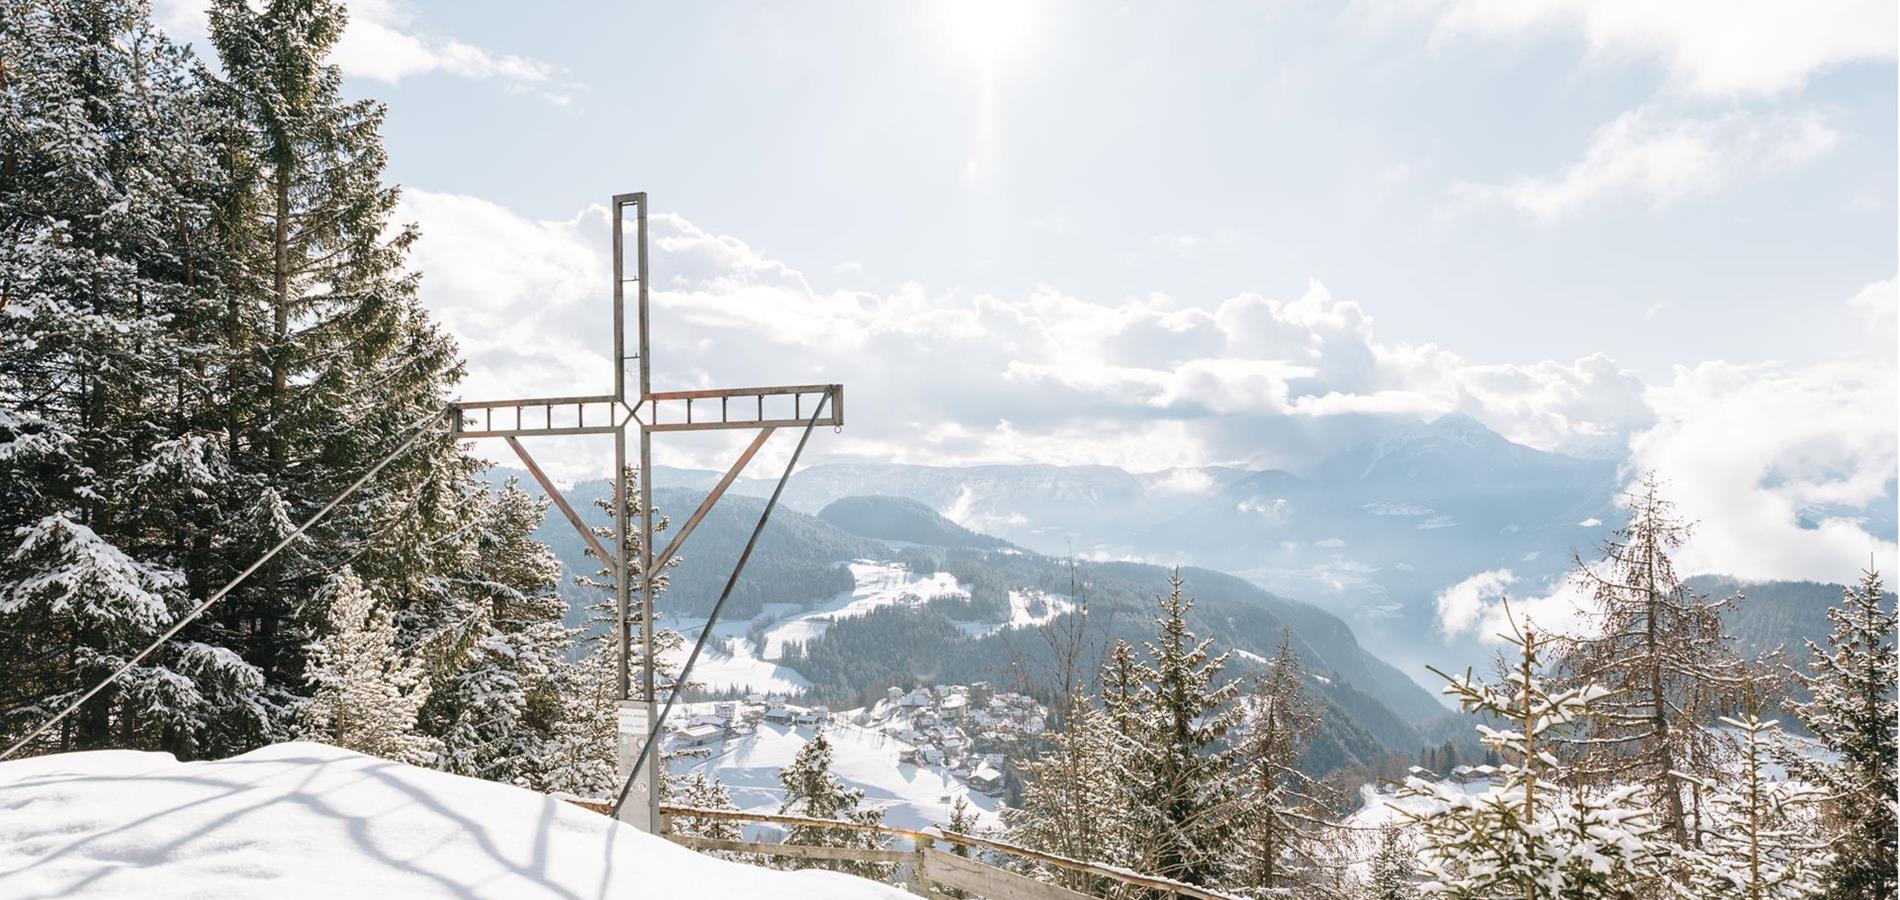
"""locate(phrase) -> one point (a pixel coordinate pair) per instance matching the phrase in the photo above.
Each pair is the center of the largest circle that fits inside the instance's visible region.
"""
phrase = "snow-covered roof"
(306, 820)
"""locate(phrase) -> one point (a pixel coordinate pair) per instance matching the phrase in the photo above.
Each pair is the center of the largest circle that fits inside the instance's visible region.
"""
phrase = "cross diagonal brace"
(547, 487)
(712, 619)
(705, 506)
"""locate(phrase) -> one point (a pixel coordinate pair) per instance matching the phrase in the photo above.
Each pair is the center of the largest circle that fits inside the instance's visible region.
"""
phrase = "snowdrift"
(310, 820)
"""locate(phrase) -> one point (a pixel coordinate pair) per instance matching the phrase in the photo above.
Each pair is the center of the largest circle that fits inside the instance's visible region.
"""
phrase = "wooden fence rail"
(934, 865)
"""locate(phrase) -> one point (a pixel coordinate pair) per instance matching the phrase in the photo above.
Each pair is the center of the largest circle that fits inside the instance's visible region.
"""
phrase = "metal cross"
(650, 412)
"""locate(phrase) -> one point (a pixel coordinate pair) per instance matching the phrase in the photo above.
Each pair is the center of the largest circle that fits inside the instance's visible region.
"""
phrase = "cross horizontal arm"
(715, 409)
(603, 414)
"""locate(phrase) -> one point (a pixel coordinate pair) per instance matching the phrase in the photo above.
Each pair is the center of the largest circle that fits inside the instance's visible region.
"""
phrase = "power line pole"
(650, 412)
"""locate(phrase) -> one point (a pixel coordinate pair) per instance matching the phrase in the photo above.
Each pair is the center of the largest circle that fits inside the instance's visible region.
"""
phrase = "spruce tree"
(601, 619)
(1181, 792)
(585, 747)
(104, 466)
(697, 790)
(366, 694)
(811, 790)
(1762, 838)
(1074, 801)
(499, 713)
(1659, 647)
(1537, 834)
(1392, 868)
(1282, 833)
(1853, 713)
(328, 356)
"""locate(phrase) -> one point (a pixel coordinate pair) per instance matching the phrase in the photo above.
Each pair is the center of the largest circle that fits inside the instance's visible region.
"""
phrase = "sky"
(1158, 235)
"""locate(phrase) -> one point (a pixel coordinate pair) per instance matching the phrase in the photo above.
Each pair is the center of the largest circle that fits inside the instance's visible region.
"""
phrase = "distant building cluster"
(967, 729)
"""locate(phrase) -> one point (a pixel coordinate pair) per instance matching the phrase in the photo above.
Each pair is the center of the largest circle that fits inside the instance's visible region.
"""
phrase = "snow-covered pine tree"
(696, 790)
(1122, 677)
(962, 821)
(366, 693)
(586, 745)
(1853, 713)
(499, 714)
(1179, 770)
(1762, 836)
(1537, 834)
(601, 612)
(1658, 646)
(1073, 801)
(581, 756)
(1391, 870)
(104, 466)
(811, 790)
(327, 354)
(1282, 829)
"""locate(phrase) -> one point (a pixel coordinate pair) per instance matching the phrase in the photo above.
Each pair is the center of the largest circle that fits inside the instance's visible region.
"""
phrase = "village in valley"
(967, 732)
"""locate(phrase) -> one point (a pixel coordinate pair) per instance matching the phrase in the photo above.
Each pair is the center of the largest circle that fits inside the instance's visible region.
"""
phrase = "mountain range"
(1371, 533)
(1365, 539)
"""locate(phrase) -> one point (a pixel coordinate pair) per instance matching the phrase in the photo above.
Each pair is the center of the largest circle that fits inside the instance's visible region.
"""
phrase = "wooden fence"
(933, 869)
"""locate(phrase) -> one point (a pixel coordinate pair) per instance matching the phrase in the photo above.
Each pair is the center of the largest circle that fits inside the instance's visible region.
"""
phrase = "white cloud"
(1478, 604)
(523, 298)
(1774, 462)
(1777, 463)
(1879, 307)
(1660, 158)
(382, 43)
(1461, 606)
(1708, 47)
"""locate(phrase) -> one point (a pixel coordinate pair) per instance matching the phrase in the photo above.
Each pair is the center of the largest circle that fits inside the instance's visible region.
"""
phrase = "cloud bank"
(382, 43)
(1778, 462)
(1714, 48)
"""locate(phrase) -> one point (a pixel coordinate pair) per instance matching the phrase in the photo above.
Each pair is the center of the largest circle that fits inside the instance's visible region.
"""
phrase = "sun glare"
(986, 31)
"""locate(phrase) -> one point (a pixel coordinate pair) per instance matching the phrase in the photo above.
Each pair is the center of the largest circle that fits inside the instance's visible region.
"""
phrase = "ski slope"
(303, 820)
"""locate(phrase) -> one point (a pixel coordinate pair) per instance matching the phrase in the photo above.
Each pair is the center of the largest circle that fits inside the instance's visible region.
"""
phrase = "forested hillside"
(1379, 710)
(1774, 614)
(208, 334)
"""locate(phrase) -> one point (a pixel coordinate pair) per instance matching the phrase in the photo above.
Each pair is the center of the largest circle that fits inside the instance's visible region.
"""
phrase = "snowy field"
(304, 820)
(911, 796)
(1027, 609)
(733, 661)
(874, 584)
(730, 661)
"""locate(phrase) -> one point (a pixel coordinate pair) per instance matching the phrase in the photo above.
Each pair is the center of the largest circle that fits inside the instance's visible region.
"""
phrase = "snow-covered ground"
(911, 796)
(1379, 808)
(1027, 609)
(730, 661)
(307, 820)
(875, 584)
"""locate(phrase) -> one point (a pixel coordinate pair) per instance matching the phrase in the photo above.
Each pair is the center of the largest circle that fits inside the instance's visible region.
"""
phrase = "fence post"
(919, 881)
